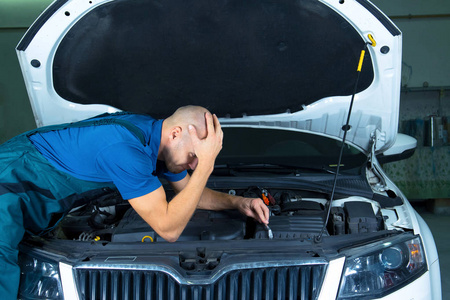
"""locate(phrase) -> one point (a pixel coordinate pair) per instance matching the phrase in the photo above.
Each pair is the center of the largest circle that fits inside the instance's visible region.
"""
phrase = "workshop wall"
(425, 97)
(426, 46)
(425, 175)
(15, 111)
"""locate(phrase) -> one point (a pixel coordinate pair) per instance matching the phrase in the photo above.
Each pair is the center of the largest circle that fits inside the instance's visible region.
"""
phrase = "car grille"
(291, 282)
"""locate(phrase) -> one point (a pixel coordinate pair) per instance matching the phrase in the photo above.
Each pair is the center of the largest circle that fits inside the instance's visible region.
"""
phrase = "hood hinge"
(377, 141)
(375, 179)
(372, 144)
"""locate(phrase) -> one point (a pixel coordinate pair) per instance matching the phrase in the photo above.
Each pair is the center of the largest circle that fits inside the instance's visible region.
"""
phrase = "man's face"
(181, 156)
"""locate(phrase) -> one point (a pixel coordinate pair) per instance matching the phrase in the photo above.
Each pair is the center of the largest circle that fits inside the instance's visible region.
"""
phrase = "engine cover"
(204, 225)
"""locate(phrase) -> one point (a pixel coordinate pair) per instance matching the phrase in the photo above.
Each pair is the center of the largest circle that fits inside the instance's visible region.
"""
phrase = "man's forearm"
(213, 200)
(251, 207)
(169, 219)
(182, 206)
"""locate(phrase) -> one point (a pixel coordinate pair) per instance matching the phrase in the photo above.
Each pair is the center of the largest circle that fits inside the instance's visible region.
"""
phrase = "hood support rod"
(345, 128)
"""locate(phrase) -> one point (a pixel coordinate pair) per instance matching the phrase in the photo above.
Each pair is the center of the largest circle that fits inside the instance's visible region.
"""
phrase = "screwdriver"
(269, 232)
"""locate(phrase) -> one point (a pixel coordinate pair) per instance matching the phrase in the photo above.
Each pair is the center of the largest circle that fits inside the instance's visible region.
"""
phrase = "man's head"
(176, 147)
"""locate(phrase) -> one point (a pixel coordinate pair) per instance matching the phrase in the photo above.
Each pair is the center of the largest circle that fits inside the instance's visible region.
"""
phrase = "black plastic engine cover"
(292, 227)
(204, 225)
(360, 217)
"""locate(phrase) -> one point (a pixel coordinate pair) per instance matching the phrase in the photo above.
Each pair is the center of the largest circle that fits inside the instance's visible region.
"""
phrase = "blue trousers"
(32, 191)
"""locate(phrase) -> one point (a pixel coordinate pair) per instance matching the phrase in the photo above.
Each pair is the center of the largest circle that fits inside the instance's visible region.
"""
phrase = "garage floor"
(439, 225)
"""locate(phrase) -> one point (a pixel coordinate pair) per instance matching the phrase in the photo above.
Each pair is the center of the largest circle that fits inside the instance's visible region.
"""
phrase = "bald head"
(181, 146)
(189, 115)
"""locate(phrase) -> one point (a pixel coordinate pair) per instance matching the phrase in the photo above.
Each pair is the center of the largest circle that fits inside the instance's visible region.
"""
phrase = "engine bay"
(293, 215)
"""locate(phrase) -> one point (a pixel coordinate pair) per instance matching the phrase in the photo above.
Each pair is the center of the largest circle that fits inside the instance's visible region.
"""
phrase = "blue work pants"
(32, 192)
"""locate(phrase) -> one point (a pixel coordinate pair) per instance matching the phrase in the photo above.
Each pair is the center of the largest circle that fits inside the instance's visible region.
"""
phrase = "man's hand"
(208, 148)
(214, 200)
(255, 208)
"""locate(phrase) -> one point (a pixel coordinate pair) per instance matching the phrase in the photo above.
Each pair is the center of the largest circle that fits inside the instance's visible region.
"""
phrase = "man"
(44, 172)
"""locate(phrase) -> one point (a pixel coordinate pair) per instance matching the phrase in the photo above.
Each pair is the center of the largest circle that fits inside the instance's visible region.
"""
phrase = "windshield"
(247, 146)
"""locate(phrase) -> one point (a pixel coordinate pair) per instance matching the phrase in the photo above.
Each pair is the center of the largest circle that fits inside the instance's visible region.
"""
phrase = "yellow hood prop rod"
(345, 128)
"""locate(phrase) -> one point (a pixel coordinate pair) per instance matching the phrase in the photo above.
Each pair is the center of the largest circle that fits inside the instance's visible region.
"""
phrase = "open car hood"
(285, 64)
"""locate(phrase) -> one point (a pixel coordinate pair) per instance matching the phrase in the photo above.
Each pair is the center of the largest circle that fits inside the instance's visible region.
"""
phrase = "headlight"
(385, 270)
(39, 279)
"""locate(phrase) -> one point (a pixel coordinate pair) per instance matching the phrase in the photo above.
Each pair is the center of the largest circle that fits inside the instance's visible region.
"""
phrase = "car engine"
(294, 215)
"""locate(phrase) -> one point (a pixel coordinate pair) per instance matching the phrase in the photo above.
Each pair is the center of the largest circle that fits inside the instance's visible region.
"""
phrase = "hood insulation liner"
(233, 57)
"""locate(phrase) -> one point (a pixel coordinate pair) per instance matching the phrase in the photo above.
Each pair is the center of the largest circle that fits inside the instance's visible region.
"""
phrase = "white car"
(307, 93)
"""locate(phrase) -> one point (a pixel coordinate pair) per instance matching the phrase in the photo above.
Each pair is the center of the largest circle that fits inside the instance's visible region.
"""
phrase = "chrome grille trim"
(238, 281)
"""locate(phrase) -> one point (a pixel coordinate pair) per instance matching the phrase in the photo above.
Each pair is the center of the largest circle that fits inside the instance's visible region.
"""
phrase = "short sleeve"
(174, 177)
(129, 168)
(169, 176)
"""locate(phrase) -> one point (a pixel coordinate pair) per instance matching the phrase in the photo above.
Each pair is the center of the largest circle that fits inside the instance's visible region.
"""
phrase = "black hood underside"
(233, 57)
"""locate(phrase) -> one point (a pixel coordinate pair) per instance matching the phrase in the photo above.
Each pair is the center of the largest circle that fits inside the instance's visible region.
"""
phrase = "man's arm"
(170, 219)
(213, 200)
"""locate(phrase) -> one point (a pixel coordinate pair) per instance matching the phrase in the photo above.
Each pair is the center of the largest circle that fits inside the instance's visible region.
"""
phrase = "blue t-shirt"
(109, 153)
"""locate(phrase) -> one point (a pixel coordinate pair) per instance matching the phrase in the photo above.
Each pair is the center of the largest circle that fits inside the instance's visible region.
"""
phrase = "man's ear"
(175, 133)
